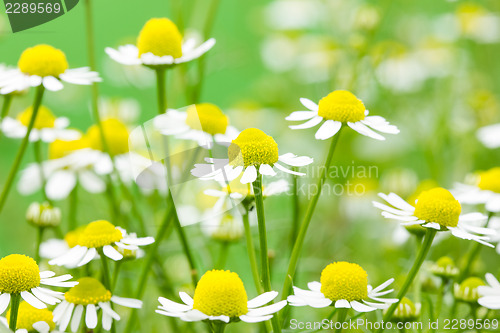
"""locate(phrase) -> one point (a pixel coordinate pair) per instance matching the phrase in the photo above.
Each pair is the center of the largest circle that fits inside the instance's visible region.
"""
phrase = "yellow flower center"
(438, 205)
(490, 180)
(28, 315)
(98, 234)
(71, 238)
(116, 134)
(207, 117)
(467, 290)
(43, 60)
(88, 291)
(44, 118)
(18, 273)
(253, 147)
(343, 280)
(343, 106)
(60, 148)
(161, 37)
(221, 293)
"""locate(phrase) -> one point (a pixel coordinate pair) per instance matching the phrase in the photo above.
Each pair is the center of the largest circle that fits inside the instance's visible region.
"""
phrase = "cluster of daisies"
(220, 297)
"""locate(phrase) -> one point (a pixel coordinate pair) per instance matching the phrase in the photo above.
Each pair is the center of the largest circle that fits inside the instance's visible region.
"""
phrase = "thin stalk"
(264, 257)
(37, 149)
(39, 239)
(116, 273)
(422, 254)
(15, 300)
(341, 316)
(221, 262)
(73, 208)
(307, 219)
(106, 278)
(295, 207)
(24, 144)
(7, 102)
(251, 253)
(417, 286)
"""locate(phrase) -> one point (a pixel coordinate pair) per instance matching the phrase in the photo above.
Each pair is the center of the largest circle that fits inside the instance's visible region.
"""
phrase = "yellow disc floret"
(208, 118)
(221, 293)
(116, 134)
(343, 280)
(98, 234)
(438, 205)
(60, 148)
(253, 147)
(490, 180)
(28, 315)
(44, 118)
(71, 238)
(18, 273)
(161, 37)
(43, 60)
(88, 291)
(343, 106)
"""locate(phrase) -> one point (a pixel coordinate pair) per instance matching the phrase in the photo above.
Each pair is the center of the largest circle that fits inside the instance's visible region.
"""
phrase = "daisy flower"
(490, 294)
(90, 296)
(436, 209)
(47, 66)
(468, 290)
(486, 190)
(55, 247)
(30, 319)
(489, 136)
(43, 215)
(343, 285)
(203, 123)
(100, 236)
(339, 108)
(252, 152)
(47, 127)
(20, 274)
(221, 296)
(159, 44)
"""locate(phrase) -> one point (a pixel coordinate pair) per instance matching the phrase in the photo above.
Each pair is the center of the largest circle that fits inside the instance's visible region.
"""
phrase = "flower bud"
(43, 215)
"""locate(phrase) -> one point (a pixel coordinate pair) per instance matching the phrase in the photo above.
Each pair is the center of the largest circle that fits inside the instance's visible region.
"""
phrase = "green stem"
(219, 327)
(105, 270)
(341, 316)
(39, 160)
(307, 219)
(73, 208)
(296, 208)
(15, 300)
(39, 239)
(417, 286)
(422, 254)
(264, 257)
(251, 252)
(118, 265)
(221, 262)
(472, 254)
(7, 102)
(24, 144)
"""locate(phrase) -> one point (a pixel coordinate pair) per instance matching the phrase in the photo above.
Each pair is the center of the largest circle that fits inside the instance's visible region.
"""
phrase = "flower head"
(339, 108)
(220, 295)
(116, 134)
(406, 311)
(345, 285)
(468, 290)
(208, 118)
(485, 189)
(439, 206)
(43, 215)
(43, 60)
(445, 268)
(31, 319)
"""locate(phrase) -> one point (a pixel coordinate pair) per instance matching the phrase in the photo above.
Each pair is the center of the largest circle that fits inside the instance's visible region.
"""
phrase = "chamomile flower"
(468, 290)
(43, 215)
(490, 136)
(47, 127)
(343, 285)
(54, 247)
(19, 274)
(30, 319)
(252, 152)
(47, 66)
(221, 296)
(90, 296)
(436, 209)
(490, 294)
(100, 235)
(202, 123)
(159, 44)
(339, 108)
(486, 190)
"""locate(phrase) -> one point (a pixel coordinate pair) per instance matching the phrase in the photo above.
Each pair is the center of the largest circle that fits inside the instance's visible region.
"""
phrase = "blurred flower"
(43, 215)
(203, 123)
(98, 236)
(445, 268)
(159, 44)
(436, 209)
(55, 247)
(253, 152)
(47, 127)
(19, 274)
(490, 294)
(339, 108)
(30, 319)
(89, 296)
(221, 296)
(476, 23)
(344, 285)
(486, 190)
(490, 136)
(294, 14)
(468, 290)
(406, 311)
(47, 66)
(223, 227)
(125, 109)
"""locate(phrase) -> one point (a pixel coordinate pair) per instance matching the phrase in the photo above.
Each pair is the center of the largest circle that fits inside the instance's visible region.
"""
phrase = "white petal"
(193, 315)
(140, 241)
(128, 302)
(342, 304)
(91, 316)
(314, 286)
(309, 104)
(267, 310)
(308, 124)
(256, 319)
(266, 169)
(91, 182)
(301, 115)
(106, 307)
(32, 300)
(328, 129)
(66, 317)
(52, 84)
(363, 129)
(77, 317)
(361, 307)
(107, 321)
(262, 299)
(186, 298)
(47, 274)
(4, 302)
(91, 254)
(172, 306)
(44, 297)
(60, 184)
(40, 326)
(282, 168)
(111, 253)
(294, 160)
(492, 281)
(249, 175)
(397, 201)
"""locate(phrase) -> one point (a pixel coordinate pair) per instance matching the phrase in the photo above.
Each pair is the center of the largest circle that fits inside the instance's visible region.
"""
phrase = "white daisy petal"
(328, 129)
(255, 319)
(111, 253)
(91, 254)
(128, 302)
(91, 316)
(4, 302)
(364, 130)
(77, 317)
(32, 300)
(342, 303)
(357, 306)
(309, 104)
(65, 319)
(301, 115)
(52, 84)
(267, 310)
(308, 124)
(186, 298)
(266, 169)
(249, 175)
(172, 306)
(262, 299)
